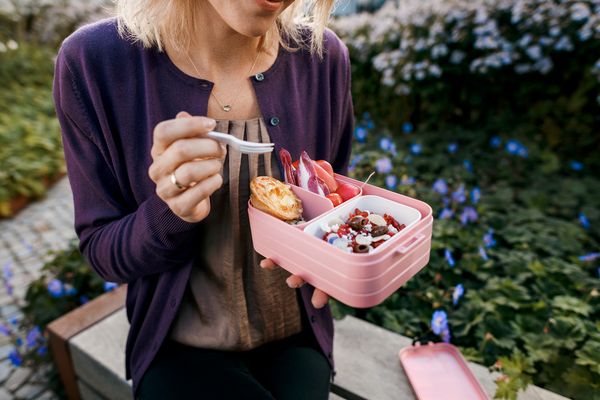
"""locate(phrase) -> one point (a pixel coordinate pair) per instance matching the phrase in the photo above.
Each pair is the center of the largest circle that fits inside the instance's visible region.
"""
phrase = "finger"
(294, 281)
(183, 114)
(184, 150)
(185, 205)
(267, 264)
(167, 132)
(186, 174)
(319, 298)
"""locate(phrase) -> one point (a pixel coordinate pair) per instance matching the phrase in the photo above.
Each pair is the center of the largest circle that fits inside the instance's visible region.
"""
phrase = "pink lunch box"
(358, 280)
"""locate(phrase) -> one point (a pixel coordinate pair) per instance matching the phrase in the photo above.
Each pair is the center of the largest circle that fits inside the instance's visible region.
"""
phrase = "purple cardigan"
(109, 94)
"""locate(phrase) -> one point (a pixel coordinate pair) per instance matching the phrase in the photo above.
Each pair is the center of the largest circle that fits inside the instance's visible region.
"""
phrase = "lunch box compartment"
(358, 280)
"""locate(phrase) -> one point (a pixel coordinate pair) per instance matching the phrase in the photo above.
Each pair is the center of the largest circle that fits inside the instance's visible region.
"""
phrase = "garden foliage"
(527, 66)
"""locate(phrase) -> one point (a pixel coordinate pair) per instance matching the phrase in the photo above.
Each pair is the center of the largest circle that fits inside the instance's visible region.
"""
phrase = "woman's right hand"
(181, 147)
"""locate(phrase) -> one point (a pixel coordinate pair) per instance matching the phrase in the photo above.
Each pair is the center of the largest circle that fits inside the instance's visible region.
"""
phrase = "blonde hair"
(156, 23)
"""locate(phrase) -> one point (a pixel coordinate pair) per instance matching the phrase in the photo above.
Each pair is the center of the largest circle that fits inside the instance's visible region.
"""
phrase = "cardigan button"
(259, 77)
(312, 319)
(274, 121)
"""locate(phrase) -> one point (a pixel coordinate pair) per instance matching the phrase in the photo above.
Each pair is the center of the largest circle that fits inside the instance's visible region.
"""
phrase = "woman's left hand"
(319, 298)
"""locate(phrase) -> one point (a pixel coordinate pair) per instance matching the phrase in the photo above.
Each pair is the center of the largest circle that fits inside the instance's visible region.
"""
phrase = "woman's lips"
(270, 5)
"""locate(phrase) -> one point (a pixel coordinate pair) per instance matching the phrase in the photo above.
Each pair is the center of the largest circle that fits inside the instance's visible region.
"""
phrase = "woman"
(160, 206)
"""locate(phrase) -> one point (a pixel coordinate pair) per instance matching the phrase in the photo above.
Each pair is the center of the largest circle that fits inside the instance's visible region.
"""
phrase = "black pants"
(291, 368)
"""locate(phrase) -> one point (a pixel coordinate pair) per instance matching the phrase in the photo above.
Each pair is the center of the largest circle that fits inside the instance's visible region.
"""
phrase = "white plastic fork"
(243, 146)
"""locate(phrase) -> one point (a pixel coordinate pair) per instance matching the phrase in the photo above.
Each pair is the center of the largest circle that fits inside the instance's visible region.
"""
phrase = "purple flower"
(391, 181)
(449, 258)
(475, 195)
(488, 238)
(7, 271)
(407, 127)
(408, 180)
(459, 194)
(385, 144)
(383, 165)
(584, 221)
(576, 165)
(469, 214)
(439, 322)
(440, 186)
(446, 335)
(108, 286)
(5, 330)
(33, 336)
(495, 142)
(446, 213)
(459, 290)
(468, 165)
(55, 288)
(589, 257)
(415, 148)
(15, 358)
(452, 148)
(9, 288)
(483, 253)
(360, 133)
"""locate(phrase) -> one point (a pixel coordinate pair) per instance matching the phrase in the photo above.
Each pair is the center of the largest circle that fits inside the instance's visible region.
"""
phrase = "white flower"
(564, 44)
(12, 45)
(580, 11)
(534, 52)
(457, 57)
(2, 48)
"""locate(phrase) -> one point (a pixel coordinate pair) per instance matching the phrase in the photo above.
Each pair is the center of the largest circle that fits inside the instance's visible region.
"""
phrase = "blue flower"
(407, 180)
(475, 195)
(5, 330)
(488, 238)
(589, 257)
(446, 335)
(483, 253)
(469, 214)
(452, 148)
(440, 186)
(407, 127)
(83, 299)
(459, 194)
(19, 341)
(385, 144)
(15, 358)
(584, 221)
(439, 321)
(360, 133)
(14, 321)
(449, 258)
(7, 271)
(512, 146)
(468, 165)
(70, 290)
(446, 213)
(384, 165)
(42, 350)
(108, 286)
(391, 181)
(495, 142)
(446, 201)
(33, 336)
(415, 148)
(576, 165)
(459, 290)
(355, 160)
(55, 288)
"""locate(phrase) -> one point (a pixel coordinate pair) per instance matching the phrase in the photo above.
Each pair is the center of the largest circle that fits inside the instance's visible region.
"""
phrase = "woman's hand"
(181, 148)
(319, 298)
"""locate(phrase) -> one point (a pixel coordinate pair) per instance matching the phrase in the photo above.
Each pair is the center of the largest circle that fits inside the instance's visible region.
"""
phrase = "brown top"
(230, 302)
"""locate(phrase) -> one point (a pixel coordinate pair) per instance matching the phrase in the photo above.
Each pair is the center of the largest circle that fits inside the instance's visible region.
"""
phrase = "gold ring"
(174, 181)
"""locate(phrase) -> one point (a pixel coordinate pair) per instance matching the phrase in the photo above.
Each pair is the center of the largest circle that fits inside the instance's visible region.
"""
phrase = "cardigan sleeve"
(343, 149)
(121, 243)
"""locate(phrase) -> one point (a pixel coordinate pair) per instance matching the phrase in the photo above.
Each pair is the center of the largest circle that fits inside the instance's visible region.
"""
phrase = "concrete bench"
(366, 357)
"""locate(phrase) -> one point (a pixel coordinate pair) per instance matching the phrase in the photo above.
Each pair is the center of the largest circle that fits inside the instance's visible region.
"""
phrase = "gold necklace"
(226, 107)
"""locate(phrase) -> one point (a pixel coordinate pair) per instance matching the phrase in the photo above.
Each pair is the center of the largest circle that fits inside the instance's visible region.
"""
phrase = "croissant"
(276, 198)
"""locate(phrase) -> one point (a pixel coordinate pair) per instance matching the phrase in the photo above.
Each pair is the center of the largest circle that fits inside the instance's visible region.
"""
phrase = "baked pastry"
(276, 198)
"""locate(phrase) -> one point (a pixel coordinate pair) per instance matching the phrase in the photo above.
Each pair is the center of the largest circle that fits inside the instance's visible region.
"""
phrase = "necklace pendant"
(226, 108)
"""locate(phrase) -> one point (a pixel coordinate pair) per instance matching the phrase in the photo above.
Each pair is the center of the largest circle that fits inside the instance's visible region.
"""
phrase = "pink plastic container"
(439, 371)
(358, 280)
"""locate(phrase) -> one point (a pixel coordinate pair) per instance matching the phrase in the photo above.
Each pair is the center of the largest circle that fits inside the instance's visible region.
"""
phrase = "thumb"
(183, 114)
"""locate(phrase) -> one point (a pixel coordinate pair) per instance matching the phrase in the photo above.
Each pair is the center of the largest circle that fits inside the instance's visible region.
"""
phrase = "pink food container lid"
(439, 371)
(358, 280)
